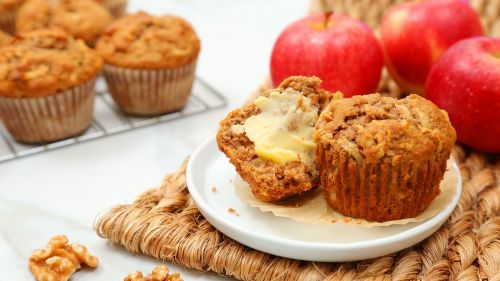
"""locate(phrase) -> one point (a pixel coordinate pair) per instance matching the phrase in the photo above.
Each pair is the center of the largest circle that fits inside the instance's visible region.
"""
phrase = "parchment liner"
(150, 92)
(50, 118)
(312, 208)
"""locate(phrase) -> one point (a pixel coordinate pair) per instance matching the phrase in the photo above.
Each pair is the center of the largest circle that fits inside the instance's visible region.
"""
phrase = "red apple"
(465, 81)
(414, 35)
(343, 52)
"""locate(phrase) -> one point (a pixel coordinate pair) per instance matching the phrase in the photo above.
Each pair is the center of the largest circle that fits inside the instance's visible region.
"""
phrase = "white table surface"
(62, 191)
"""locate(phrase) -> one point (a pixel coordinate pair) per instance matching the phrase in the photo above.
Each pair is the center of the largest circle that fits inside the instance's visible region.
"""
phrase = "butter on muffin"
(380, 158)
(117, 8)
(150, 62)
(47, 86)
(8, 12)
(84, 19)
(270, 141)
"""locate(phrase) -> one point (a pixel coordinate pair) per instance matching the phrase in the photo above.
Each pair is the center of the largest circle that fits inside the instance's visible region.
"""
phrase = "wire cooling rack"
(109, 120)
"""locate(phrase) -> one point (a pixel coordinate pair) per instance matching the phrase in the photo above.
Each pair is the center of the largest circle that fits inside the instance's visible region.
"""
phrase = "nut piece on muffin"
(47, 86)
(270, 141)
(117, 8)
(84, 19)
(380, 158)
(150, 62)
(8, 12)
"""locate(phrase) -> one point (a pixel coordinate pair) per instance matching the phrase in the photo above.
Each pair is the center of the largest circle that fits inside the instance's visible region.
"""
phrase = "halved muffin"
(270, 141)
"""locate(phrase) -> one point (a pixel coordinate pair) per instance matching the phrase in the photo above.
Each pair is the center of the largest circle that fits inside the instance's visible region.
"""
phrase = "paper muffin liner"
(50, 118)
(150, 92)
(382, 191)
(8, 22)
(312, 208)
(116, 8)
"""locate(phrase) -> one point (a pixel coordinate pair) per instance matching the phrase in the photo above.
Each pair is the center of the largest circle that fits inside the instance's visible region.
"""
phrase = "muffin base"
(46, 119)
(149, 92)
(8, 22)
(378, 192)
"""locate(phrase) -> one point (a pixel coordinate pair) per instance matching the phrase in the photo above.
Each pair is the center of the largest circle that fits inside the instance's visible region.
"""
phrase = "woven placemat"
(164, 222)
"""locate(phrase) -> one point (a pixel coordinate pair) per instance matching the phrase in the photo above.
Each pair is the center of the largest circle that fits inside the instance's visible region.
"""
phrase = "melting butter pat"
(283, 131)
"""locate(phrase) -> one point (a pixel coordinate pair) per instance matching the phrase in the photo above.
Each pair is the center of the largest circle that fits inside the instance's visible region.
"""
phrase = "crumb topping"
(83, 19)
(146, 41)
(45, 62)
(372, 127)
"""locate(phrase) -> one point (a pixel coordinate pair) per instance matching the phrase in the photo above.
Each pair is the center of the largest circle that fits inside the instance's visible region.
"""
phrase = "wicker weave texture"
(165, 223)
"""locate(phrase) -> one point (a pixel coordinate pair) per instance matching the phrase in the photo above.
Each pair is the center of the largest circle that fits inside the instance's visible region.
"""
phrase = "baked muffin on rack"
(150, 62)
(380, 158)
(270, 140)
(84, 19)
(47, 86)
(8, 12)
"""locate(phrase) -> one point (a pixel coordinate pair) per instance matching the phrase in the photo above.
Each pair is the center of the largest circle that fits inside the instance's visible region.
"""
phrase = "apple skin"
(465, 82)
(341, 51)
(414, 35)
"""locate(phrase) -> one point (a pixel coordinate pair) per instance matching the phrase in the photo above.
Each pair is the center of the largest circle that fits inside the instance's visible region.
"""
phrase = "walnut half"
(59, 260)
(160, 273)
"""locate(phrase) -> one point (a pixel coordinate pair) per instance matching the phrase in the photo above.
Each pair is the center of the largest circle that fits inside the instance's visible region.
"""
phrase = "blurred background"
(62, 191)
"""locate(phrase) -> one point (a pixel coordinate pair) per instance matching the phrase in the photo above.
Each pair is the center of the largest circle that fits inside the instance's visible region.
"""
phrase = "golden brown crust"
(268, 180)
(380, 158)
(10, 5)
(83, 19)
(45, 62)
(148, 42)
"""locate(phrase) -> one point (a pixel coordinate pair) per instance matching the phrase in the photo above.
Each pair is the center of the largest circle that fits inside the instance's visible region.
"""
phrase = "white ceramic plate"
(209, 168)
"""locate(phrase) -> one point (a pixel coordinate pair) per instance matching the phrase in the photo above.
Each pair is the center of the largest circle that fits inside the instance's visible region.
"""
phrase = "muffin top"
(45, 62)
(85, 19)
(148, 42)
(373, 127)
(10, 5)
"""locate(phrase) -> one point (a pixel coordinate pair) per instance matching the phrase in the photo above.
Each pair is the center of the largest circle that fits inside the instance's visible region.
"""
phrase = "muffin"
(380, 158)
(84, 19)
(270, 141)
(8, 12)
(47, 86)
(117, 8)
(150, 62)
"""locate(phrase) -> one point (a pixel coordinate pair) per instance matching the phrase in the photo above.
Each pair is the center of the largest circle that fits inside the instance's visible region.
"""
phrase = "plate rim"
(426, 226)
